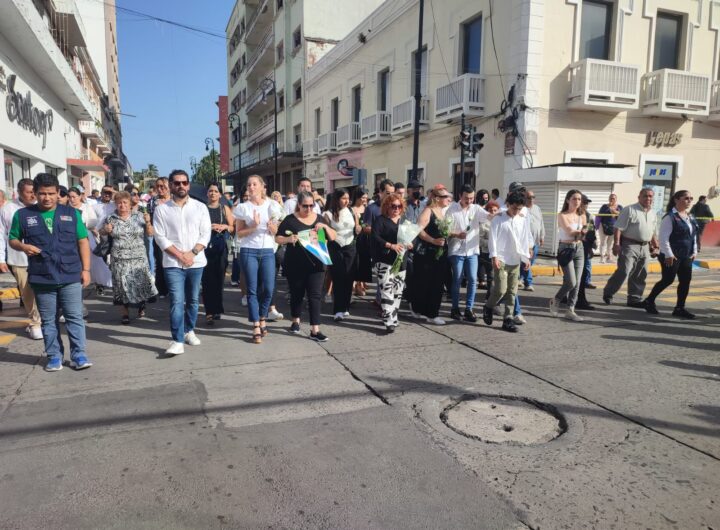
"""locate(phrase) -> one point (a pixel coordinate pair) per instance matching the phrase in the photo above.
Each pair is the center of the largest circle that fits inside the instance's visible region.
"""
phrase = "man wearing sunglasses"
(182, 231)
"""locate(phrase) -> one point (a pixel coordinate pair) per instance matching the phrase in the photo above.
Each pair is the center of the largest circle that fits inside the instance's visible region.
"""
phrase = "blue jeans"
(150, 253)
(588, 269)
(526, 275)
(184, 290)
(235, 274)
(259, 269)
(67, 299)
(467, 266)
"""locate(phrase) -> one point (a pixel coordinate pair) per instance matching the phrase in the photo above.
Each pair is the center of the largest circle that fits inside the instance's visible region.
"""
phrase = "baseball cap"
(585, 199)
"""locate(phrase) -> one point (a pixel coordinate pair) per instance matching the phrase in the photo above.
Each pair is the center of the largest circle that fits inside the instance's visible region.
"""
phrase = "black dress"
(429, 274)
(213, 278)
(363, 268)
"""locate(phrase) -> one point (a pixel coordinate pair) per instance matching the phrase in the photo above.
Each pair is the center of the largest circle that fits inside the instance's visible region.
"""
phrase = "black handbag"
(565, 256)
(104, 246)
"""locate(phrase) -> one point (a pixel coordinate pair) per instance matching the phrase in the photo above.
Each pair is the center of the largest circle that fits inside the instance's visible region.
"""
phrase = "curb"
(601, 269)
(709, 263)
(10, 293)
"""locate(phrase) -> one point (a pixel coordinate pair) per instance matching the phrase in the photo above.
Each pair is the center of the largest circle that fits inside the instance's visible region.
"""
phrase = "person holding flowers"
(430, 259)
(463, 250)
(387, 253)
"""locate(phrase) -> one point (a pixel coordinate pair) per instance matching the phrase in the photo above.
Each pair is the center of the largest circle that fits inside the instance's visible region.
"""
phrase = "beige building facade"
(614, 94)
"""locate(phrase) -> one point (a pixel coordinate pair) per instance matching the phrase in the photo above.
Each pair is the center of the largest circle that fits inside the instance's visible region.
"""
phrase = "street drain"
(504, 419)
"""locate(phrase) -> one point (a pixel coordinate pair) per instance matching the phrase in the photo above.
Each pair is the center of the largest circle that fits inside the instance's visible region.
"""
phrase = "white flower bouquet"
(407, 232)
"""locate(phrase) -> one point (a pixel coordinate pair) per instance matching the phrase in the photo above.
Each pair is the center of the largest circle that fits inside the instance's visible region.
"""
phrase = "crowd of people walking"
(417, 248)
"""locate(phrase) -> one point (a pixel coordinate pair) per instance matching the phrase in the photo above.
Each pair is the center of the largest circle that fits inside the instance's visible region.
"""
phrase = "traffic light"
(465, 138)
(475, 141)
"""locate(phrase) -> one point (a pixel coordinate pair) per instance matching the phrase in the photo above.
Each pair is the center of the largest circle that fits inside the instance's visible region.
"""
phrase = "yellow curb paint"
(6, 339)
(9, 294)
(13, 324)
(709, 263)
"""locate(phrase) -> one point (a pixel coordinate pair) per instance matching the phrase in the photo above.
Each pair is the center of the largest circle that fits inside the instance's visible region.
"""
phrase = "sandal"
(125, 320)
(141, 311)
(263, 327)
(257, 337)
(209, 320)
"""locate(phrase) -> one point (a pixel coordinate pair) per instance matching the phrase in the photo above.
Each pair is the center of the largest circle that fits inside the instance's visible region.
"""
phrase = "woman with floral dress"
(132, 282)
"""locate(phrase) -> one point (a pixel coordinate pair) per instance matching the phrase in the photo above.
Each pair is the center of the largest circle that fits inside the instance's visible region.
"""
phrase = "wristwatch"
(195, 251)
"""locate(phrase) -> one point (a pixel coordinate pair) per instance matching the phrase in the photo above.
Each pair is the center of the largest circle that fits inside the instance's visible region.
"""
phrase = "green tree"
(208, 169)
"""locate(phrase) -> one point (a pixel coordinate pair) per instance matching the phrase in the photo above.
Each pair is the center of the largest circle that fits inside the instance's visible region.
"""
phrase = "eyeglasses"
(396, 206)
(181, 183)
(107, 192)
(530, 197)
(134, 194)
(308, 206)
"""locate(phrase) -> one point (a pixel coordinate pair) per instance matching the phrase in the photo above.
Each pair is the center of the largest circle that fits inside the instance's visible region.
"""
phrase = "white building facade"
(53, 96)
(628, 85)
(271, 43)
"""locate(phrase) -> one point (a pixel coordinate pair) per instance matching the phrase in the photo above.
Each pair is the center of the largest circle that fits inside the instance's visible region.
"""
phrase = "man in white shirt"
(509, 246)
(304, 184)
(464, 249)
(106, 206)
(16, 260)
(182, 231)
(537, 227)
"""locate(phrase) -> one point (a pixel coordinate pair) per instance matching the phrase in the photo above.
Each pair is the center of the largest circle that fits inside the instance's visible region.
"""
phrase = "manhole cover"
(504, 419)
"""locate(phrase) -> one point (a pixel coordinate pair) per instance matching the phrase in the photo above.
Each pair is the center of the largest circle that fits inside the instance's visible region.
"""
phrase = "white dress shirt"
(344, 226)
(103, 210)
(261, 236)
(291, 204)
(183, 227)
(8, 254)
(666, 228)
(465, 220)
(510, 239)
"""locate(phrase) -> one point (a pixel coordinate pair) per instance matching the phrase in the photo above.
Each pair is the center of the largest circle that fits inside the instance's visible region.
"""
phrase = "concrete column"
(36, 166)
(3, 179)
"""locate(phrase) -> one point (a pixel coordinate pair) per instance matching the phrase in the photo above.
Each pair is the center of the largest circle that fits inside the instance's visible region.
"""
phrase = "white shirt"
(344, 227)
(666, 228)
(261, 236)
(291, 204)
(182, 227)
(510, 239)
(466, 220)
(7, 254)
(102, 211)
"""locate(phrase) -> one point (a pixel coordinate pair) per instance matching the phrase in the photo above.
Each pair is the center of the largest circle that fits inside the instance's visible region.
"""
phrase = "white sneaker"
(85, 311)
(175, 348)
(553, 307)
(437, 321)
(338, 317)
(497, 311)
(191, 339)
(347, 314)
(62, 319)
(519, 320)
(570, 314)
(529, 288)
(244, 300)
(233, 284)
(274, 315)
(35, 333)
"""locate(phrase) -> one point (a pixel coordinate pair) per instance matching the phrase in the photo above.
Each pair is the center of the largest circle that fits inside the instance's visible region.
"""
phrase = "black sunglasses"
(306, 205)
(181, 182)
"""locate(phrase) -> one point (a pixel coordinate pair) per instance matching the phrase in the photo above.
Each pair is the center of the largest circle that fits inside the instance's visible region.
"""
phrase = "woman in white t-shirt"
(256, 223)
(342, 250)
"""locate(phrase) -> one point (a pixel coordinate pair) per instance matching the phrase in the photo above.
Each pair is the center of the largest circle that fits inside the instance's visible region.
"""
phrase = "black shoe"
(636, 305)
(470, 316)
(455, 314)
(681, 312)
(390, 329)
(487, 315)
(650, 307)
(607, 299)
(585, 306)
(509, 325)
(318, 337)
(294, 327)
(590, 286)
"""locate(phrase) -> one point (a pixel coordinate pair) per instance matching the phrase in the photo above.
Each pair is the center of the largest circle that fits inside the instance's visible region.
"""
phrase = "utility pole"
(418, 94)
(460, 179)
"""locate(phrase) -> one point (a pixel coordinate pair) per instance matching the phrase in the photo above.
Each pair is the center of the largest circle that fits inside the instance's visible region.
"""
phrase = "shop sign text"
(663, 139)
(20, 109)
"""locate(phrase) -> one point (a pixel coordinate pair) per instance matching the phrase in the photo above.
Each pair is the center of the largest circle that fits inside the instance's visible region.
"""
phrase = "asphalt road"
(347, 434)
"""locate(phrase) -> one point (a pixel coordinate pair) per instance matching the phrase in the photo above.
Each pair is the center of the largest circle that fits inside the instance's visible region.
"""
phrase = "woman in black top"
(213, 278)
(304, 272)
(384, 248)
(430, 263)
(363, 267)
(678, 248)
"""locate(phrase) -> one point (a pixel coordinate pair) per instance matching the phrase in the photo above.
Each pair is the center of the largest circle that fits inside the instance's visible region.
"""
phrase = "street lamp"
(193, 165)
(234, 117)
(208, 143)
(265, 84)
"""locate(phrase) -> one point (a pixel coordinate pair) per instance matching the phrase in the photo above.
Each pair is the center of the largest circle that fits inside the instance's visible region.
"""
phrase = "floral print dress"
(131, 279)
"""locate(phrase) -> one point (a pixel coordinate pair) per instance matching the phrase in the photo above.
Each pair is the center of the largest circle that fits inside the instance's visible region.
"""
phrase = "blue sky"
(170, 79)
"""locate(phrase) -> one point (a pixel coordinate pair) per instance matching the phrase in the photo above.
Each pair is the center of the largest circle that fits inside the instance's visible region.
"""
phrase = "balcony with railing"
(262, 55)
(310, 149)
(403, 116)
(348, 136)
(91, 129)
(671, 93)
(376, 128)
(255, 99)
(604, 85)
(327, 143)
(464, 95)
(261, 17)
(715, 101)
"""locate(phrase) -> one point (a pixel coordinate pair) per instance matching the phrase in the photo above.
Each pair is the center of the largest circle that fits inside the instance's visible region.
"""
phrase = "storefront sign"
(660, 138)
(20, 109)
